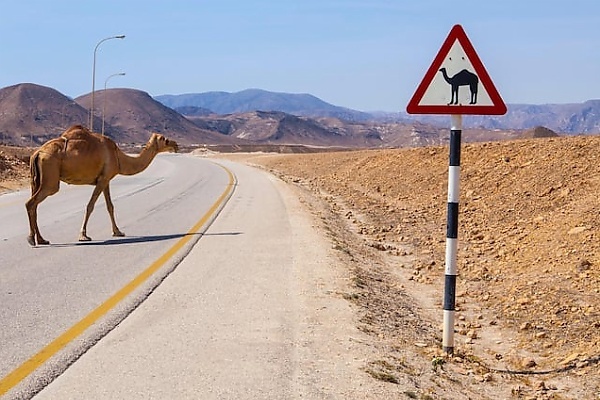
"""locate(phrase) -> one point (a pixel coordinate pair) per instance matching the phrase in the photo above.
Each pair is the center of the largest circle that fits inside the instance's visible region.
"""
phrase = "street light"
(94, 77)
(104, 98)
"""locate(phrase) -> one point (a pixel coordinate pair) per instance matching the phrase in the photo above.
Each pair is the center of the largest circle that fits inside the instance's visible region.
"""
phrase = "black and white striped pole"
(452, 234)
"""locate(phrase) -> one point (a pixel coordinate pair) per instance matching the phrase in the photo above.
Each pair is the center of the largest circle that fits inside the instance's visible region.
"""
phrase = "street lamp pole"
(104, 98)
(94, 77)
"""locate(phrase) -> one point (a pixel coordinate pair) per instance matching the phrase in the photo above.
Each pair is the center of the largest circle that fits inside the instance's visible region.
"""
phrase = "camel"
(463, 78)
(81, 157)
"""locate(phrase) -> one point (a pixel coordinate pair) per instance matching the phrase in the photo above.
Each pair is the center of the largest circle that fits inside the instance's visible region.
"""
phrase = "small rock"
(525, 326)
(523, 301)
(584, 265)
(528, 363)
(578, 229)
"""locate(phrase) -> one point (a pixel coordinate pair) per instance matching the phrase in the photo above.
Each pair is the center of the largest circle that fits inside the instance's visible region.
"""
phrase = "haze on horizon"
(362, 55)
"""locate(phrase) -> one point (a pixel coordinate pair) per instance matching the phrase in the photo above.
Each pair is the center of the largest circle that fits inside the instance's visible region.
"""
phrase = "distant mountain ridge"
(30, 114)
(576, 118)
(564, 118)
(261, 100)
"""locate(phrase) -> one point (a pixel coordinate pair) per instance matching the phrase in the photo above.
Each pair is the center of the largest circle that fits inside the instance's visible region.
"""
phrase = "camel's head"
(162, 144)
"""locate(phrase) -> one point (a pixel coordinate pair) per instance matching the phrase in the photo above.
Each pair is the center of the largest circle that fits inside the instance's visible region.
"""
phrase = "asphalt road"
(251, 308)
(58, 300)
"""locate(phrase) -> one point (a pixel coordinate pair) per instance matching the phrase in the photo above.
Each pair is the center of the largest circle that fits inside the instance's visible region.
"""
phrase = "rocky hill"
(281, 128)
(274, 127)
(31, 114)
(133, 113)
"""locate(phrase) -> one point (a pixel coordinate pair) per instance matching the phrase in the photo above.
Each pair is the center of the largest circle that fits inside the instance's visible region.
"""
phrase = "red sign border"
(497, 108)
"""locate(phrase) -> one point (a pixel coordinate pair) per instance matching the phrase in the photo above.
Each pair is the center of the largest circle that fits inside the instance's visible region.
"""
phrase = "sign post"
(455, 66)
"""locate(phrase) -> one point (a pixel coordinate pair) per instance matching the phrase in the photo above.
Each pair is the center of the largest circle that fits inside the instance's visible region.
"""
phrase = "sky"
(367, 55)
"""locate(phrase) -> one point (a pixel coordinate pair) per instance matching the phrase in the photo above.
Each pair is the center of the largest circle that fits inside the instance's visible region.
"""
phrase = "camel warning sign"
(456, 82)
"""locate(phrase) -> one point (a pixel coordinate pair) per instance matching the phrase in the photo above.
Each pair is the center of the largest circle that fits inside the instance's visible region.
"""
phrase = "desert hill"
(29, 111)
(134, 114)
(276, 127)
(539, 132)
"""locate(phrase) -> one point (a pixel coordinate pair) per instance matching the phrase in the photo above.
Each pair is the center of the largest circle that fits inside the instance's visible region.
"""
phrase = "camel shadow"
(141, 239)
(135, 239)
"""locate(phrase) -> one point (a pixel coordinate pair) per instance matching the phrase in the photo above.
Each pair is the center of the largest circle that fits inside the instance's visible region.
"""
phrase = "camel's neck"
(446, 77)
(131, 165)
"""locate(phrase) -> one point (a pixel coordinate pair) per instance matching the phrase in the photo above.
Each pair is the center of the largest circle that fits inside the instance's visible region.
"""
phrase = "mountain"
(30, 114)
(276, 127)
(262, 100)
(134, 114)
(564, 118)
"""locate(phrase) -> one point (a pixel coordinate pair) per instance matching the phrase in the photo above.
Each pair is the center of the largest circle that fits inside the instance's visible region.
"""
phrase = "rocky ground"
(528, 292)
(528, 295)
(14, 167)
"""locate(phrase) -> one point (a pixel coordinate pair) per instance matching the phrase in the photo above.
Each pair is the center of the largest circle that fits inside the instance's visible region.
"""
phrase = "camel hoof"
(40, 241)
(118, 234)
(84, 238)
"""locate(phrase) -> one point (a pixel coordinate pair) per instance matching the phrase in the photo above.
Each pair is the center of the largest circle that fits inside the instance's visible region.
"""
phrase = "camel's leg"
(40, 189)
(34, 231)
(454, 99)
(83, 237)
(31, 206)
(111, 212)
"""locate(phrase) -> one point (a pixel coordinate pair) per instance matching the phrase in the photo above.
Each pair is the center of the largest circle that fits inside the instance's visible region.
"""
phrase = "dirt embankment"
(528, 295)
(14, 167)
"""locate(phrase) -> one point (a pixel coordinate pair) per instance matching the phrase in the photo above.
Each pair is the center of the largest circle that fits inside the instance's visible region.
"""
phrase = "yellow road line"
(25, 369)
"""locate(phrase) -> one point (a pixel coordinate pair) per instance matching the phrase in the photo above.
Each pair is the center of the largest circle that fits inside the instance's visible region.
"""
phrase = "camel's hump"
(76, 131)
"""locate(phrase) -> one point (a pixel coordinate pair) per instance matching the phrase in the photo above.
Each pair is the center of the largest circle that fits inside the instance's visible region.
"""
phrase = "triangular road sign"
(456, 82)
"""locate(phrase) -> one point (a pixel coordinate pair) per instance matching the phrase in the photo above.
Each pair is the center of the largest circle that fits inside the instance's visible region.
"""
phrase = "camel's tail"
(34, 170)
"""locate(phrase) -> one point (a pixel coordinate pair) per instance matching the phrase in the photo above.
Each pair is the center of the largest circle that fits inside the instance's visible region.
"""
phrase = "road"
(47, 291)
(251, 310)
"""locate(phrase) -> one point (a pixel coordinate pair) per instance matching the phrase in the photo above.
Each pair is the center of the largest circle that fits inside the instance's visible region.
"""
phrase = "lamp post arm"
(91, 124)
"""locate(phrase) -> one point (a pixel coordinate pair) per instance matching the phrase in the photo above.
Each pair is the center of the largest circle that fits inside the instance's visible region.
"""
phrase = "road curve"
(59, 300)
(253, 312)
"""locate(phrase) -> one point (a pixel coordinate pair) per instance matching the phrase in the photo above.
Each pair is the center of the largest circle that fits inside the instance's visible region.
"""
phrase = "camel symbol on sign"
(463, 78)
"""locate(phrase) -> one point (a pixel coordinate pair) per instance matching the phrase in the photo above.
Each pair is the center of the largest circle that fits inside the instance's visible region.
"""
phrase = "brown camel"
(81, 157)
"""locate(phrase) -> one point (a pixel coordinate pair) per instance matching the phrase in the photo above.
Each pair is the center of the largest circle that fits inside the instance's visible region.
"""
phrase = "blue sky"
(367, 55)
